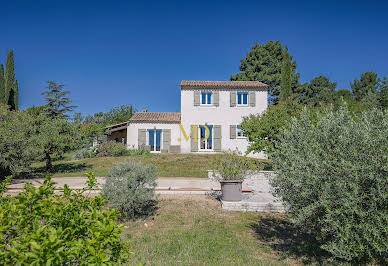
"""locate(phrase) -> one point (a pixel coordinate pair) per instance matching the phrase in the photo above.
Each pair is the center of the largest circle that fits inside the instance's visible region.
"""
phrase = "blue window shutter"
(245, 98)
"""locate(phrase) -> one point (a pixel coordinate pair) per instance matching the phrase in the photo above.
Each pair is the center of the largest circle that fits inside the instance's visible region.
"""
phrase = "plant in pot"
(230, 169)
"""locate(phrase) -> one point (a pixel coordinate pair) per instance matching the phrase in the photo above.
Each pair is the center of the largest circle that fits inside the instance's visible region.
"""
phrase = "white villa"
(208, 108)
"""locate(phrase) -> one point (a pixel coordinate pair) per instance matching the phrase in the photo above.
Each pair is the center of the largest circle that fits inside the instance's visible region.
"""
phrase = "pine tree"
(365, 89)
(319, 91)
(10, 81)
(286, 77)
(2, 85)
(264, 63)
(57, 103)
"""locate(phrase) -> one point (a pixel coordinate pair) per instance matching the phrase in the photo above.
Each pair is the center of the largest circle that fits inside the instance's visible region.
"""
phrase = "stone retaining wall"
(257, 181)
(251, 206)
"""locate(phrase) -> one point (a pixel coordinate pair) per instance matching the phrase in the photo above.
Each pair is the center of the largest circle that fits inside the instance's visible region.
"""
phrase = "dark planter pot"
(231, 190)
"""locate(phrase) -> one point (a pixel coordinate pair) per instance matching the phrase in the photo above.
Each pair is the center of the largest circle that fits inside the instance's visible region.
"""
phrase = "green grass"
(194, 230)
(167, 165)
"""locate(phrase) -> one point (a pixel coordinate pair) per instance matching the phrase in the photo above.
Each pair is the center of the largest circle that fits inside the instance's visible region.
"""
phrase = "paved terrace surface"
(252, 200)
(163, 183)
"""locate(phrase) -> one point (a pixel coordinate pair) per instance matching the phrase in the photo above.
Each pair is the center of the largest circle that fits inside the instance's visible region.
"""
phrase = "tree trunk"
(49, 165)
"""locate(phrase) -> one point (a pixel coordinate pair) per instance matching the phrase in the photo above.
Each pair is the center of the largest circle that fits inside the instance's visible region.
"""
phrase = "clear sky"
(110, 53)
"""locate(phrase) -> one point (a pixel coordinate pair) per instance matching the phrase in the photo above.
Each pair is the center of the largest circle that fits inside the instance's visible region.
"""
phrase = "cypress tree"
(2, 85)
(10, 81)
(286, 77)
(16, 95)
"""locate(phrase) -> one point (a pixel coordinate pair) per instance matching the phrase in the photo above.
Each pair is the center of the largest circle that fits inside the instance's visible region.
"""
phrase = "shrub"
(332, 178)
(112, 149)
(89, 152)
(130, 188)
(232, 165)
(108, 149)
(39, 227)
(140, 151)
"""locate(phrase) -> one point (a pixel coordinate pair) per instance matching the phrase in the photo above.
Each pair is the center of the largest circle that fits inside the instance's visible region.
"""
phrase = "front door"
(155, 139)
(205, 144)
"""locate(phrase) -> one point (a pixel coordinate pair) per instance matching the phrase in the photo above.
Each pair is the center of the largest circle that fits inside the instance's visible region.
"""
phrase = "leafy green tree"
(365, 89)
(57, 102)
(10, 82)
(332, 179)
(319, 91)
(78, 118)
(264, 130)
(114, 116)
(97, 118)
(344, 94)
(120, 114)
(286, 77)
(36, 110)
(40, 227)
(56, 136)
(95, 125)
(2, 85)
(18, 138)
(264, 63)
(383, 84)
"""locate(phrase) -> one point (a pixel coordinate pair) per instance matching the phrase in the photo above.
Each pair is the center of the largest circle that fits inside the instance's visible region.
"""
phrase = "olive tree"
(55, 137)
(18, 136)
(332, 176)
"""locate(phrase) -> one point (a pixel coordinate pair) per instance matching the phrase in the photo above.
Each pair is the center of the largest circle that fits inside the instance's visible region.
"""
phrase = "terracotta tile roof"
(192, 84)
(156, 117)
(117, 125)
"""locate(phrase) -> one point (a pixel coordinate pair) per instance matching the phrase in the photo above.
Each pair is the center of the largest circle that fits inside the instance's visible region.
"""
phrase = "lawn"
(167, 165)
(194, 230)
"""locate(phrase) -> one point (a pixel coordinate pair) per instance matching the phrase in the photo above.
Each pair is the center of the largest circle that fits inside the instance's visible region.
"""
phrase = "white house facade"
(209, 121)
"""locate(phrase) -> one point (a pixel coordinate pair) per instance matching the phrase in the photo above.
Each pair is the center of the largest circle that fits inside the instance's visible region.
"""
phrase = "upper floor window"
(206, 98)
(242, 98)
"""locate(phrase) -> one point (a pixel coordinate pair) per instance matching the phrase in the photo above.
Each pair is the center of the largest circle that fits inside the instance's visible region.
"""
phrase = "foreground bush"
(40, 228)
(332, 175)
(130, 188)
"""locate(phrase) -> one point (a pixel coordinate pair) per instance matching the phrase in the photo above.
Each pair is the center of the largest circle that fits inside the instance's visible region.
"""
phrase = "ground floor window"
(155, 139)
(239, 132)
(205, 144)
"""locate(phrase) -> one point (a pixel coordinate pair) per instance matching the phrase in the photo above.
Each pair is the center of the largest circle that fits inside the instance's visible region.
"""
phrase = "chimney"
(144, 111)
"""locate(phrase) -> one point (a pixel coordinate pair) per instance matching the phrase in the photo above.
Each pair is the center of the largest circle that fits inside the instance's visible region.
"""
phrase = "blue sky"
(110, 53)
